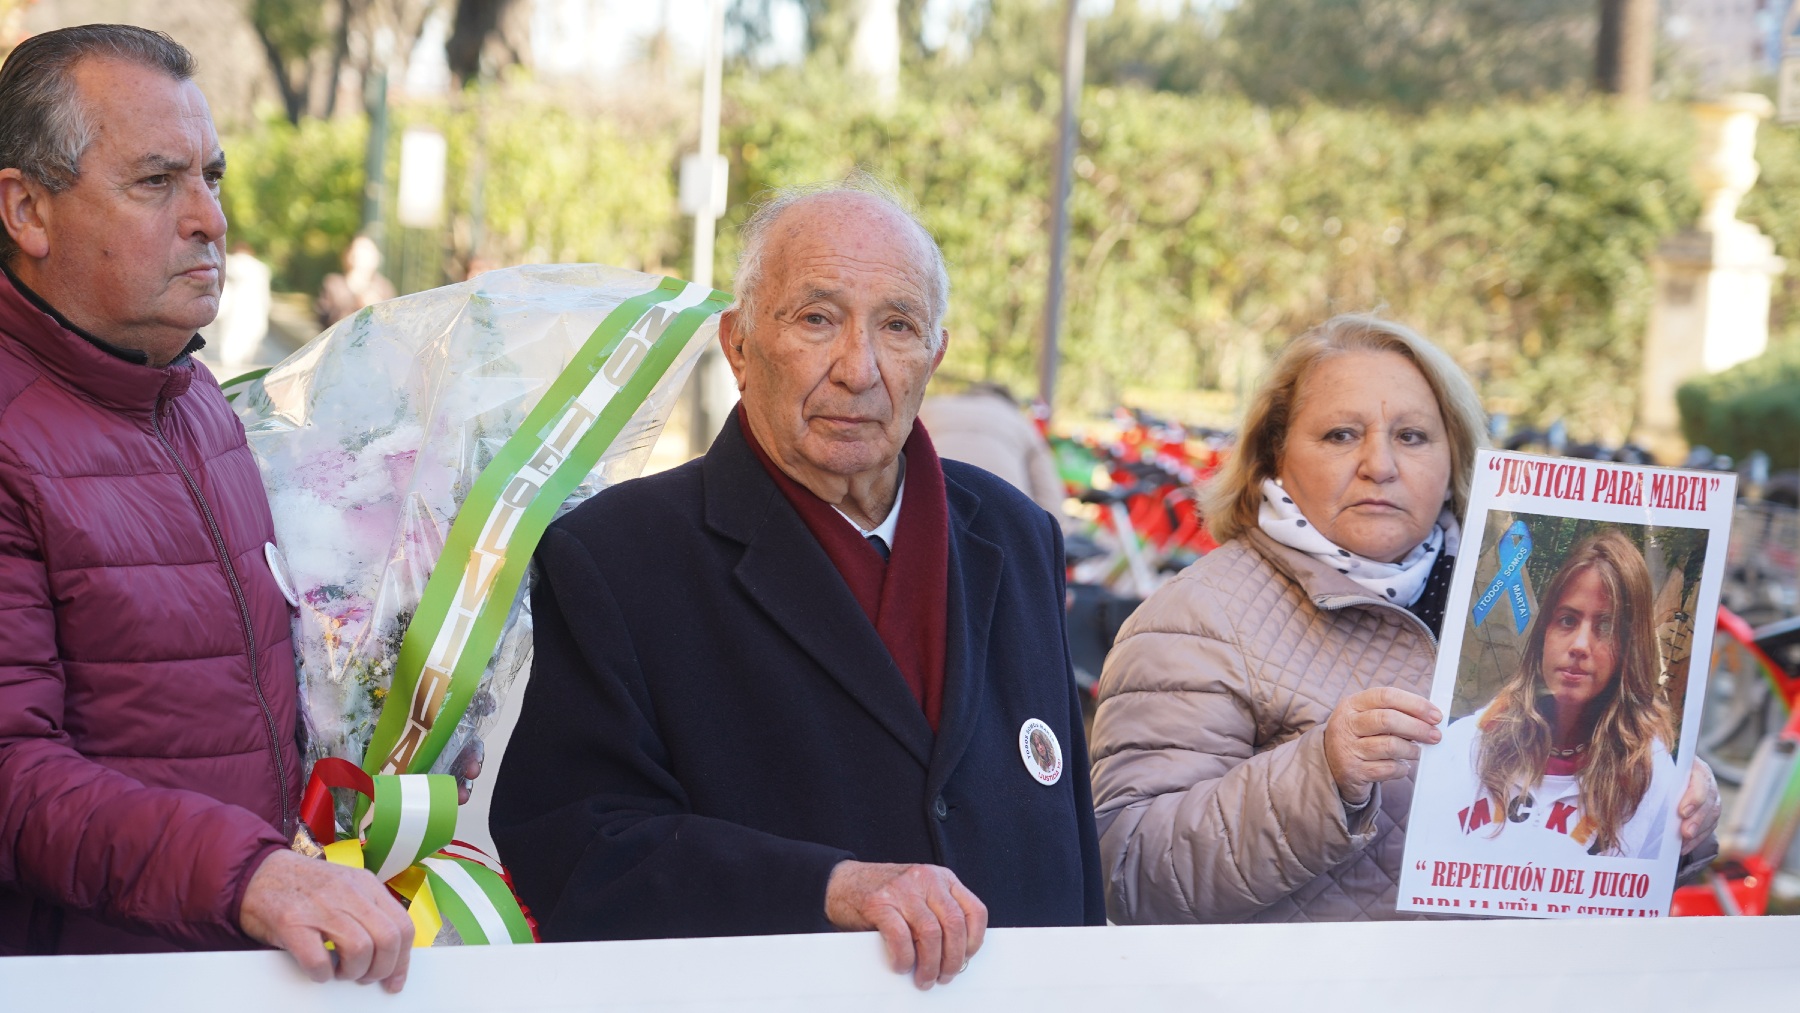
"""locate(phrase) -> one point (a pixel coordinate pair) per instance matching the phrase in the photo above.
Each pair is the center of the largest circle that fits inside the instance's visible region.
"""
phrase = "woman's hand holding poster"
(1571, 705)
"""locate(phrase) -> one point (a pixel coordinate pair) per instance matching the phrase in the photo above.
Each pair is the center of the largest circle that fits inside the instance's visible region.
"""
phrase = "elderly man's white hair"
(756, 230)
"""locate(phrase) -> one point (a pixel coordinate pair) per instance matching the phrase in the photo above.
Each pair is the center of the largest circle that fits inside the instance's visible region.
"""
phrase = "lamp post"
(711, 82)
(375, 156)
(1073, 69)
(703, 189)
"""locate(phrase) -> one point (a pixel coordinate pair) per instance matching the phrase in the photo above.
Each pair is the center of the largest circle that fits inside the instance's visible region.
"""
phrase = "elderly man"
(149, 771)
(793, 686)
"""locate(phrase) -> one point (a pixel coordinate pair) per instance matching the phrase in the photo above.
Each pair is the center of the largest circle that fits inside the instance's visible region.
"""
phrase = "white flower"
(370, 437)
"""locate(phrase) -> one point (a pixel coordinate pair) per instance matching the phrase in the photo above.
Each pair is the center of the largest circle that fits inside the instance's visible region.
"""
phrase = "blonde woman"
(1260, 714)
(1576, 746)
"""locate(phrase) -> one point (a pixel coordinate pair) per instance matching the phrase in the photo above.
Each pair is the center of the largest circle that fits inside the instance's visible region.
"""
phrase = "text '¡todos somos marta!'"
(1597, 483)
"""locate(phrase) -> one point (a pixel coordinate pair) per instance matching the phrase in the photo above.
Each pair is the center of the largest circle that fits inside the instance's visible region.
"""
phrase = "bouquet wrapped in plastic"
(413, 455)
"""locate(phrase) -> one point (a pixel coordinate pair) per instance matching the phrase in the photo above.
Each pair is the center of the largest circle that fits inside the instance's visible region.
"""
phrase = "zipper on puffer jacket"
(243, 604)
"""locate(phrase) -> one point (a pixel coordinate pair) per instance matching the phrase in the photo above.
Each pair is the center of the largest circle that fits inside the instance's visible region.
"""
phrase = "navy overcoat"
(712, 723)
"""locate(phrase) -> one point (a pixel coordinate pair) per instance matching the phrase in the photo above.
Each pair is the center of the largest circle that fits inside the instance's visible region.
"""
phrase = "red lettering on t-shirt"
(1475, 817)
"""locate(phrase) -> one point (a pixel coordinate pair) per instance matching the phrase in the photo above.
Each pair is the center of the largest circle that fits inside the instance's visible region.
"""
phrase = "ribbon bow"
(411, 826)
(1514, 549)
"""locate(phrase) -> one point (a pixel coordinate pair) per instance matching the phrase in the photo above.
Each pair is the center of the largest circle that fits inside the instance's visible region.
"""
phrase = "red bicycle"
(1758, 830)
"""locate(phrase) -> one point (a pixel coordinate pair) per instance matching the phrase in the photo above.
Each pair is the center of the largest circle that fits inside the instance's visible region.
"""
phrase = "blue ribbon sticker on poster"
(1514, 549)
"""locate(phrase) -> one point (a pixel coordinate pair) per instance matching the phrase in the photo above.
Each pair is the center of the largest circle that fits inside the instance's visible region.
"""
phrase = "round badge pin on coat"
(1041, 752)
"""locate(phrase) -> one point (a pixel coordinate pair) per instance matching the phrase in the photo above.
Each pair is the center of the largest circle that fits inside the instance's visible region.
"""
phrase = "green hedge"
(295, 195)
(556, 185)
(1206, 230)
(1751, 406)
(1773, 205)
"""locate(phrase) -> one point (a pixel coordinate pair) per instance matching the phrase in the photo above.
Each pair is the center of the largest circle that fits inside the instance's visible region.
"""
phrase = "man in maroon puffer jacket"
(149, 769)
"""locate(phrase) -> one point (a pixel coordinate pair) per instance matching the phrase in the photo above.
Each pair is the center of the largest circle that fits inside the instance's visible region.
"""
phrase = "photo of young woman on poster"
(1576, 744)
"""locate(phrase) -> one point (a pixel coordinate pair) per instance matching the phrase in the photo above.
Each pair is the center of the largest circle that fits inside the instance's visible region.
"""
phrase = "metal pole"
(704, 418)
(375, 159)
(478, 186)
(1074, 54)
(711, 83)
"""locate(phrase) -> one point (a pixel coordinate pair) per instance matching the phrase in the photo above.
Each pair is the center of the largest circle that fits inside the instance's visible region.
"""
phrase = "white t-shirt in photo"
(1547, 817)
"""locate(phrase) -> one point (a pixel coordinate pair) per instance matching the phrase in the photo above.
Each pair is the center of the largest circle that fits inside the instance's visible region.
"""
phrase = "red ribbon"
(315, 805)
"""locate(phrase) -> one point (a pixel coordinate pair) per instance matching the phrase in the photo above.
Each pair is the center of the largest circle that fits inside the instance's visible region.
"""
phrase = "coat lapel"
(974, 580)
(789, 576)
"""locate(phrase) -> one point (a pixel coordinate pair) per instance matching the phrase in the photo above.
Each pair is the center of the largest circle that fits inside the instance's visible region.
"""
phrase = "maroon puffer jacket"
(144, 772)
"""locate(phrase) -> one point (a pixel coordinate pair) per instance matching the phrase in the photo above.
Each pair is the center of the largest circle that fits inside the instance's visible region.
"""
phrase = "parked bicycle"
(1145, 523)
(1750, 735)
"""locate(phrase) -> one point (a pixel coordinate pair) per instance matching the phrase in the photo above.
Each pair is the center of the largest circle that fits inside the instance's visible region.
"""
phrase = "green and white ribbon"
(476, 901)
(411, 829)
(413, 817)
(463, 610)
(241, 383)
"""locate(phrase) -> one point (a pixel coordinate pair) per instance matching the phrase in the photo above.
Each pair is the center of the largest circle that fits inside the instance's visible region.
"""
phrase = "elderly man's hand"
(1699, 808)
(1374, 736)
(297, 903)
(468, 768)
(931, 923)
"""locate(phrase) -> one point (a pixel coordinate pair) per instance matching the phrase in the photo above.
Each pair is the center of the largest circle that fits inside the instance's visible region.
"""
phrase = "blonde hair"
(1516, 734)
(1231, 500)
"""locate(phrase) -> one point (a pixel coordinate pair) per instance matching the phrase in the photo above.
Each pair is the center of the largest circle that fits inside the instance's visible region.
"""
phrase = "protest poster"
(1582, 592)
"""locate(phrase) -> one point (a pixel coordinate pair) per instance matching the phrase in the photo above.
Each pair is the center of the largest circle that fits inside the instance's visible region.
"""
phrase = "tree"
(1181, 53)
(1409, 53)
(291, 32)
(1625, 50)
(1405, 54)
(311, 46)
(485, 32)
(831, 25)
(1018, 44)
(748, 27)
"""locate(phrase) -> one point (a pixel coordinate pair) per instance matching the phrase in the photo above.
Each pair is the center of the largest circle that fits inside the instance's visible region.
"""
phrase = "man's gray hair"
(44, 130)
(755, 233)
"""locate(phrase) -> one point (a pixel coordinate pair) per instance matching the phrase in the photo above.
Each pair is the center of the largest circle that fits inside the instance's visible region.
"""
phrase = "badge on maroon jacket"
(1041, 752)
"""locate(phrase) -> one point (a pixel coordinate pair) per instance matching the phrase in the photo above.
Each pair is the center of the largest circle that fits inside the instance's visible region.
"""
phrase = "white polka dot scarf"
(1400, 583)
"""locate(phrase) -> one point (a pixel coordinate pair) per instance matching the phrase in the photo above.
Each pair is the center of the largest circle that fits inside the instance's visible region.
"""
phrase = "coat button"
(939, 807)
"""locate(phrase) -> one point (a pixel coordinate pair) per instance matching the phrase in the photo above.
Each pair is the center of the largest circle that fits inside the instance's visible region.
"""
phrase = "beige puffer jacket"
(1215, 803)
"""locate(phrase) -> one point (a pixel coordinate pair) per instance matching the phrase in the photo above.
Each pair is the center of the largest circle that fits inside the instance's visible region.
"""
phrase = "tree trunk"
(340, 48)
(293, 96)
(1625, 57)
(475, 23)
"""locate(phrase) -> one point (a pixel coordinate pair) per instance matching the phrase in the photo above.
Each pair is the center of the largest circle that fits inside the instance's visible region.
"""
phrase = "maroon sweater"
(147, 693)
(905, 597)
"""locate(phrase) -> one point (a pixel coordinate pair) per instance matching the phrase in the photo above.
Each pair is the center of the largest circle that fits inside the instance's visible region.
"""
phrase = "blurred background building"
(1724, 45)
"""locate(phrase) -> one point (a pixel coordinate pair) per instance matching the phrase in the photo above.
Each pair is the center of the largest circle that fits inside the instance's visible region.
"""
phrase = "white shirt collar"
(885, 530)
